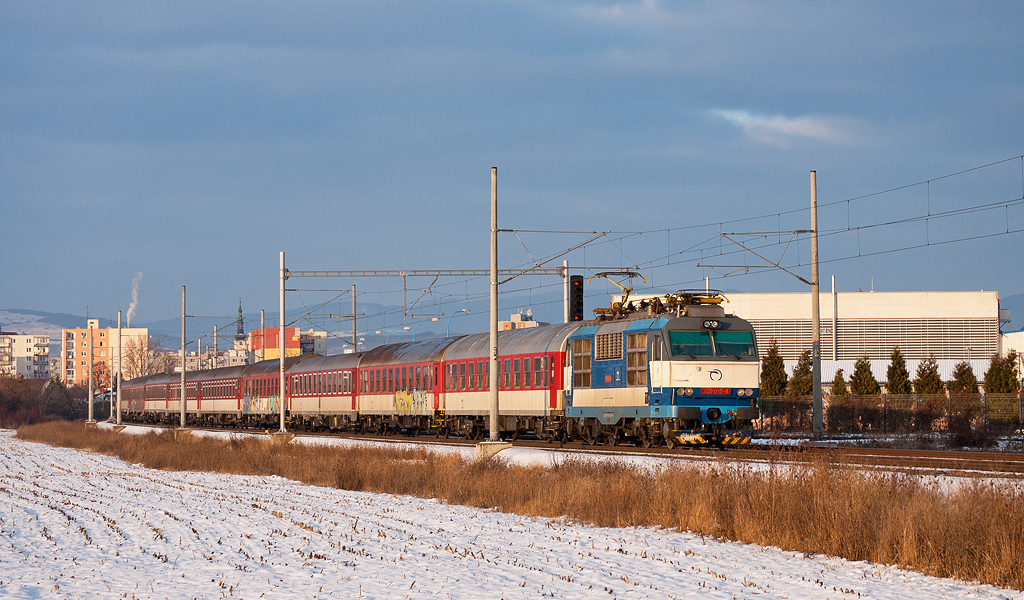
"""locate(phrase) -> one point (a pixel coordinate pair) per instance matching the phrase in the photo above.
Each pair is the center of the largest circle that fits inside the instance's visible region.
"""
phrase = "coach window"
(538, 372)
(462, 376)
(527, 378)
(471, 382)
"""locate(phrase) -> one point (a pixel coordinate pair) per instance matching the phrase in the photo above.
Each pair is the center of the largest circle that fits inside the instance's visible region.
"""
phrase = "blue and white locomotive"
(676, 369)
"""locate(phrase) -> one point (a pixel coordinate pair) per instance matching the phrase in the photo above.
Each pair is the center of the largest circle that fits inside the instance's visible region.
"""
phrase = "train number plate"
(715, 391)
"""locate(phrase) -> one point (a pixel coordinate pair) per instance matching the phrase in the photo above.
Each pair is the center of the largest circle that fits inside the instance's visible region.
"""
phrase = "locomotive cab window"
(734, 343)
(690, 344)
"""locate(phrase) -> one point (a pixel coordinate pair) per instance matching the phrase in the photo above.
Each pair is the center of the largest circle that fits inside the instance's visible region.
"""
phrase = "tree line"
(26, 401)
(1001, 377)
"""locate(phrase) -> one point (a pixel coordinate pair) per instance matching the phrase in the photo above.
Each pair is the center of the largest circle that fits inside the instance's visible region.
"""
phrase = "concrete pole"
(263, 338)
(184, 395)
(835, 321)
(816, 413)
(215, 347)
(355, 336)
(494, 307)
(565, 290)
(89, 327)
(118, 367)
(280, 344)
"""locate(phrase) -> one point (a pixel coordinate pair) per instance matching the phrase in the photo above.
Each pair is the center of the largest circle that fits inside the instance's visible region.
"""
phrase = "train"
(671, 370)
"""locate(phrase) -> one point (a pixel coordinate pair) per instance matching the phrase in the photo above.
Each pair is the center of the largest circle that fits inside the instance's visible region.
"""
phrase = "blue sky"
(193, 141)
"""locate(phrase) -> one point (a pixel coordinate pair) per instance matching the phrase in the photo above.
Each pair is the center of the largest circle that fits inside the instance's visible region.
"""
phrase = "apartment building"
(26, 356)
(106, 347)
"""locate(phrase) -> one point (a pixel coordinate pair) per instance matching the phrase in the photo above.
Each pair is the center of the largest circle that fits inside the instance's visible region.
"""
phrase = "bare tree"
(145, 355)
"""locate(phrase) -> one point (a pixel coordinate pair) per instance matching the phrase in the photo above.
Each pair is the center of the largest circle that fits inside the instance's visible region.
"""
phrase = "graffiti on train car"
(259, 404)
(416, 402)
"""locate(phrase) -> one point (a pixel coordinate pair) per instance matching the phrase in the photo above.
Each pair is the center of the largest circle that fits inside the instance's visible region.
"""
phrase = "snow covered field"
(81, 525)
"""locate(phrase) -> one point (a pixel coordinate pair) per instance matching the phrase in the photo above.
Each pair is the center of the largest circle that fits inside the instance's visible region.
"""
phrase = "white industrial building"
(952, 327)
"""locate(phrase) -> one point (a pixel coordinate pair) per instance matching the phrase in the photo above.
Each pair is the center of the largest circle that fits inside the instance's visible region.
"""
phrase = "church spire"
(240, 336)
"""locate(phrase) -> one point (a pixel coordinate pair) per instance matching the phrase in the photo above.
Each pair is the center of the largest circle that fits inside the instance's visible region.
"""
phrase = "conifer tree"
(802, 382)
(773, 372)
(1002, 376)
(964, 379)
(839, 384)
(928, 380)
(897, 376)
(863, 382)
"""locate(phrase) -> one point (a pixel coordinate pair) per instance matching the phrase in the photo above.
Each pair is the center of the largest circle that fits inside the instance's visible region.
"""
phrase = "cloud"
(781, 131)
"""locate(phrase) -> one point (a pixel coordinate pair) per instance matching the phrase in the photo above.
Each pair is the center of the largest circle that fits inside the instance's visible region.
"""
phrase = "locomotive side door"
(655, 364)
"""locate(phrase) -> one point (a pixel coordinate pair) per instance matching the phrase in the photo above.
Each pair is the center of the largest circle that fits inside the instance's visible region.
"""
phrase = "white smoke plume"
(135, 297)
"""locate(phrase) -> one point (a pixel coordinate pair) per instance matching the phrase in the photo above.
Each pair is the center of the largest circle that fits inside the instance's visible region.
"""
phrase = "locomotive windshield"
(694, 344)
(690, 344)
(734, 343)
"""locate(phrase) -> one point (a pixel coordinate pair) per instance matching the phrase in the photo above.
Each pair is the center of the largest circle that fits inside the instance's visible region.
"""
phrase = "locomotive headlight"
(741, 393)
(748, 392)
(684, 391)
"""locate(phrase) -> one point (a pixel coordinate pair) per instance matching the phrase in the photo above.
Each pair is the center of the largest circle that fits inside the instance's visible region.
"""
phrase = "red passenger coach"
(399, 387)
(322, 392)
(530, 378)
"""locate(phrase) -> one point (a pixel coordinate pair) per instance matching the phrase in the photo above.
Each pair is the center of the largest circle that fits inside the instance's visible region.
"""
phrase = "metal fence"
(959, 414)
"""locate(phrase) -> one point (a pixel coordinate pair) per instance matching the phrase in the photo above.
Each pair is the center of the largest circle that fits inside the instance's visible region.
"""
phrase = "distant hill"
(24, 321)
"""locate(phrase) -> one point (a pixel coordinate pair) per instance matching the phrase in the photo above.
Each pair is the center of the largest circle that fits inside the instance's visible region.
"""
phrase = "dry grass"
(975, 532)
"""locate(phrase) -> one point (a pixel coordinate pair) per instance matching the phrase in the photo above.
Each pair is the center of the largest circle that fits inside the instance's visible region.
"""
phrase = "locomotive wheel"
(645, 438)
(671, 442)
(591, 433)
